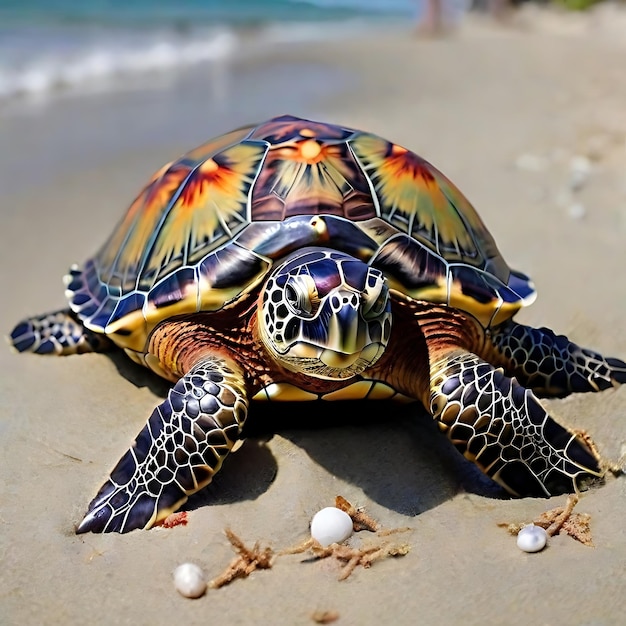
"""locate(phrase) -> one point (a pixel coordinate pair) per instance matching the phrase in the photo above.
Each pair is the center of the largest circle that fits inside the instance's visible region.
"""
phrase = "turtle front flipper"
(178, 451)
(551, 364)
(501, 426)
(58, 333)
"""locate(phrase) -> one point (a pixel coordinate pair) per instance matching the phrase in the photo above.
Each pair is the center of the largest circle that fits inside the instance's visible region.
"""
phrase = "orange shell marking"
(311, 151)
(209, 167)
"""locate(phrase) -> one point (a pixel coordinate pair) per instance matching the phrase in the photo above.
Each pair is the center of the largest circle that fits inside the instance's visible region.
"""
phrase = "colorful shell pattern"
(208, 227)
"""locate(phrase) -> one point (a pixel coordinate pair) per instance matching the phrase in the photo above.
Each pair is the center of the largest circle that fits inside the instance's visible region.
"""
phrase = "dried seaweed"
(248, 560)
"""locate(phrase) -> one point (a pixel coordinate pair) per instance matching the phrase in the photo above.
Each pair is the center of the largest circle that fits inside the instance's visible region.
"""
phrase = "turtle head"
(325, 314)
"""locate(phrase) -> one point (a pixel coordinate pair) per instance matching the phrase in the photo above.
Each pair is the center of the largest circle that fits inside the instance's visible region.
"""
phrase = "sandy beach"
(529, 120)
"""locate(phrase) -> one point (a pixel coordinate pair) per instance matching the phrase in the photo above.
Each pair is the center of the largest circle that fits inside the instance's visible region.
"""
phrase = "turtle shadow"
(394, 453)
(138, 375)
(245, 475)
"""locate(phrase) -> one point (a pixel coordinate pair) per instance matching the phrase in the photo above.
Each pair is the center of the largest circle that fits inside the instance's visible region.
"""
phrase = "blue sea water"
(52, 45)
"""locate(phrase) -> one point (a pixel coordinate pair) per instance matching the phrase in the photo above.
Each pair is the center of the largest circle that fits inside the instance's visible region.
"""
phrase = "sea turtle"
(297, 260)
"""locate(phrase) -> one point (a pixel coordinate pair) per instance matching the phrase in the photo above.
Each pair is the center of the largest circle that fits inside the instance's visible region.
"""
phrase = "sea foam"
(102, 62)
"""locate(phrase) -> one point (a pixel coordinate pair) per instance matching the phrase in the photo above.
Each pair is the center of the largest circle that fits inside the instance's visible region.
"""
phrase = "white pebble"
(331, 525)
(189, 580)
(532, 538)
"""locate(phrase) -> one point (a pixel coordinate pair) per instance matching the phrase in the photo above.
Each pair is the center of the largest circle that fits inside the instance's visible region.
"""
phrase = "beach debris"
(360, 519)
(331, 525)
(247, 560)
(561, 519)
(175, 519)
(324, 617)
(532, 538)
(353, 556)
(564, 520)
(189, 580)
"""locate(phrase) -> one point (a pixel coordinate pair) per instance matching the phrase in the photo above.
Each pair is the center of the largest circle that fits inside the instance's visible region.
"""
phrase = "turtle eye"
(301, 295)
(375, 300)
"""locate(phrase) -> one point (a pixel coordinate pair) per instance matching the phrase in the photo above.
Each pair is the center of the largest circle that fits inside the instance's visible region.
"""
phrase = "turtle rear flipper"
(176, 454)
(551, 364)
(501, 426)
(58, 333)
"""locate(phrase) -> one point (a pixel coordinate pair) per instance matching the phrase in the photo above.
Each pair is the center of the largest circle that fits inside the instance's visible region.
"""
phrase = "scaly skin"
(59, 332)
(551, 364)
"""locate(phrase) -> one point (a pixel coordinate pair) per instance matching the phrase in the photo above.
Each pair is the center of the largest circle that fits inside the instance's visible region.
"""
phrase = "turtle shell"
(207, 228)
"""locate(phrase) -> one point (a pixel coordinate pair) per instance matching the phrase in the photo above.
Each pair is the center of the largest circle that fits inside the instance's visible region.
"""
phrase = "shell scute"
(420, 201)
(413, 268)
(119, 260)
(485, 296)
(128, 323)
(132, 302)
(99, 320)
(173, 288)
(84, 292)
(306, 175)
(274, 239)
(224, 275)
(346, 235)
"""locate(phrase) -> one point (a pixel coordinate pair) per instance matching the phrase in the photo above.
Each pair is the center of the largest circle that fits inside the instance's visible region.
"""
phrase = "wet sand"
(502, 112)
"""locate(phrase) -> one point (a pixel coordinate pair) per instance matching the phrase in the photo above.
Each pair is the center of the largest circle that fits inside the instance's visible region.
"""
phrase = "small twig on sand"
(248, 560)
(353, 557)
(360, 519)
(557, 517)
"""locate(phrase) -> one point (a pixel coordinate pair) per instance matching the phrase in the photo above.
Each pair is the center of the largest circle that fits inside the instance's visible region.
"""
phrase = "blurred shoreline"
(40, 64)
(81, 45)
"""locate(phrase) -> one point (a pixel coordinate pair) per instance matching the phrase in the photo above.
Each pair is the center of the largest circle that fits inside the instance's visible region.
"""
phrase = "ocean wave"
(105, 60)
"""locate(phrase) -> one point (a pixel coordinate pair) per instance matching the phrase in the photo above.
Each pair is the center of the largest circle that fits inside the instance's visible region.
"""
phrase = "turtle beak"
(347, 332)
